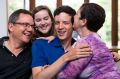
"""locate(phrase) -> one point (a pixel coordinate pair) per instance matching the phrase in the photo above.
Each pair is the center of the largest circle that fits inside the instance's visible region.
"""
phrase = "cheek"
(49, 22)
(56, 27)
(37, 23)
(18, 33)
(49, 28)
(69, 33)
(75, 25)
(70, 30)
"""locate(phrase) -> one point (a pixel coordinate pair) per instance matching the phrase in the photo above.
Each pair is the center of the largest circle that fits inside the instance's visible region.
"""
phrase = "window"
(73, 3)
(105, 31)
(17, 4)
(50, 3)
(118, 23)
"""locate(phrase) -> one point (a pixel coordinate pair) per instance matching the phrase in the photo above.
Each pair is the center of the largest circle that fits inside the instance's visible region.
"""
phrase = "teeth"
(61, 32)
(28, 34)
(43, 27)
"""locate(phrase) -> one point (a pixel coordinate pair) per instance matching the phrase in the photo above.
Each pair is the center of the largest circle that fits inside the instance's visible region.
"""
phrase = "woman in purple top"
(100, 65)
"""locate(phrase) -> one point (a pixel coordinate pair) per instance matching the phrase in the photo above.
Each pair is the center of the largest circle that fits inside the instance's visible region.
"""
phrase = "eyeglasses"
(26, 25)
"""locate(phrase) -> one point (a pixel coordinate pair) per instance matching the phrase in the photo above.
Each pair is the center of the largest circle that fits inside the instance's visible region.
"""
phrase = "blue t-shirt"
(44, 53)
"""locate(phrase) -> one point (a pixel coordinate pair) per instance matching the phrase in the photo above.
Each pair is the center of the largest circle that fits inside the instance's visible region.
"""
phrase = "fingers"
(44, 67)
(75, 53)
(115, 55)
(41, 38)
(82, 56)
(84, 46)
(70, 57)
(84, 49)
(50, 38)
(84, 53)
(81, 51)
(81, 46)
(74, 45)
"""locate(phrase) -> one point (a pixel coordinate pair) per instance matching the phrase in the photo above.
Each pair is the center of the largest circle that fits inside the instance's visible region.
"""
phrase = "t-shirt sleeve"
(38, 56)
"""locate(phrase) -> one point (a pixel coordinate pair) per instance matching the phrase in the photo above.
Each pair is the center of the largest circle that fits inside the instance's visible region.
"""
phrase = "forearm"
(74, 68)
(52, 69)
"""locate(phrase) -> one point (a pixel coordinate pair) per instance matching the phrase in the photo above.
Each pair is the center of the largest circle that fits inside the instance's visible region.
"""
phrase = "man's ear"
(10, 26)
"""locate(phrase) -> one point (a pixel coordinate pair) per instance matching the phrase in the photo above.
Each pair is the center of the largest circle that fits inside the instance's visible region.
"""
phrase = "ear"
(10, 26)
(83, 22)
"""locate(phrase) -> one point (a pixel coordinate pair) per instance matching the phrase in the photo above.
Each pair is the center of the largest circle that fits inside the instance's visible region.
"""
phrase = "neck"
(66, 44)
(14, 46)
(15, 43)
(84, 32)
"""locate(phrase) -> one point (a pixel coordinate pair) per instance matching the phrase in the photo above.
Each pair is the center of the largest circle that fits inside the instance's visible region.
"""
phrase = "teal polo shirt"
(44, 53)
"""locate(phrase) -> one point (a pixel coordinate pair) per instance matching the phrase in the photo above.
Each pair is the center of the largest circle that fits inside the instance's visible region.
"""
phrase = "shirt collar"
(3, 39)
(56, 42)
(73, 41)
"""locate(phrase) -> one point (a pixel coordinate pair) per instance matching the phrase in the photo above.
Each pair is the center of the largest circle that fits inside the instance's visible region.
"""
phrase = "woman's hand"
(75, 52)
(116, 56)
(49, 38)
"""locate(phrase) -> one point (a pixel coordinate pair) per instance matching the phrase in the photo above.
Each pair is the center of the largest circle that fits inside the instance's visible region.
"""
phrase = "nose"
(42, 22)
(61, 25)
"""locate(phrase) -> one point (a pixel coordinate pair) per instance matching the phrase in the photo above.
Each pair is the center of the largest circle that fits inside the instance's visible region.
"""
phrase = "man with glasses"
(15, 50)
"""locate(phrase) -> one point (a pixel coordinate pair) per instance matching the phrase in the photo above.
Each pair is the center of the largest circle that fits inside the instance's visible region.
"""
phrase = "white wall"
(3, 18)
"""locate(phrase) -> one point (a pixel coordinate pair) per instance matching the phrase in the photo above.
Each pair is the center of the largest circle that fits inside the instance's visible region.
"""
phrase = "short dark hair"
(94, 14)
(15, 15)
(66, 9)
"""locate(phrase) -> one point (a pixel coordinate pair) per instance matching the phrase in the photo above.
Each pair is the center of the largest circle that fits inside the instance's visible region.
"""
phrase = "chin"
(26, 41)
(61, 38)
(45, 31)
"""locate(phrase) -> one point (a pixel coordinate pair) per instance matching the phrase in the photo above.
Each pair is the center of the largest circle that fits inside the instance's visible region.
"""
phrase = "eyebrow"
(46, 17)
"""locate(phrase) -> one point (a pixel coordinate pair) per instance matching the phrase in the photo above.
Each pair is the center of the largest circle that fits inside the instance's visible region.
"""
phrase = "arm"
(47, 73)
(74, 68)
(39, 72)
(49, 38)
(100, 54)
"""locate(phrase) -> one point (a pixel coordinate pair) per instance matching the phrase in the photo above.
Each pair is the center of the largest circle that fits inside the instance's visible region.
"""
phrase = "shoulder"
(39, 41)
(94, 39)
(3, 39)
(56, 39)
(43, 41)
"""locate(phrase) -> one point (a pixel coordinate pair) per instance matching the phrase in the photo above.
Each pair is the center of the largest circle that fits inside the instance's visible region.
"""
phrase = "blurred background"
(110, 32)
